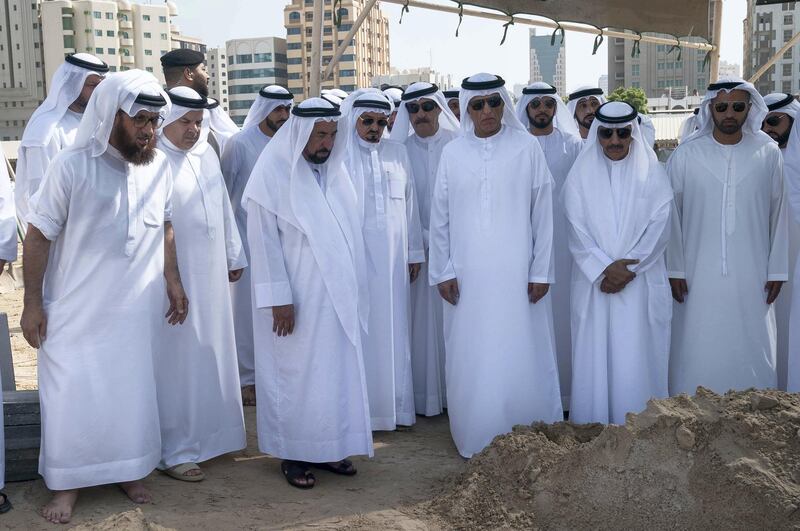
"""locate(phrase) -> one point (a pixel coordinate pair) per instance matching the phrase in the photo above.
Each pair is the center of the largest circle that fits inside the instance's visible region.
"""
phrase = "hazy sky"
(427, 38)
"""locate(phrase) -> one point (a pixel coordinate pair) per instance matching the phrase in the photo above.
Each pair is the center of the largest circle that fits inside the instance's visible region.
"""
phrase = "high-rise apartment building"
(252, 63)
(766, 29)
(548, 62)
(22, 82)
(403, 78)
(657, 69)
(123, 34)
(217, 65)
(186, 42)
(366, 56)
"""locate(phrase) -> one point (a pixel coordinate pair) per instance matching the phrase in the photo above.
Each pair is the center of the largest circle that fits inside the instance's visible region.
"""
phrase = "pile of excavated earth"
(703, 462)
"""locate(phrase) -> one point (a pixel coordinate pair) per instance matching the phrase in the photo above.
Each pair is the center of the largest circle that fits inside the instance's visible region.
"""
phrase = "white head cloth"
(395, 95)
(451, 94)
(791, 159)
(785, 103)
(402, 123)
(688, 126)
(64, 89)
(219, 121)
(563, 119)
(269, 98)
(758, 109)
(588, 201)
(334, 95)
(118, 92)
(283, 184)
(574, 101)
(648, 129)
(179, 108)
(470, 88)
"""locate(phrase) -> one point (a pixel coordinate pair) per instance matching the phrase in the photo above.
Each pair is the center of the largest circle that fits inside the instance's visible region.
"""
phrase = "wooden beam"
(716, 35)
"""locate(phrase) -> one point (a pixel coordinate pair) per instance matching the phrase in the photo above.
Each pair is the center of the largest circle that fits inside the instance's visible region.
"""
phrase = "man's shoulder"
(394, 147)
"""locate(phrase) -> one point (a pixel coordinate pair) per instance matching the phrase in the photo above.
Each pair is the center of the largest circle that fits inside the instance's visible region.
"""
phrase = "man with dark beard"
(53, 124)
(98, 253)
(583, 103)
(269, 112)
(186, 68)
(545, 115)
(778, 123)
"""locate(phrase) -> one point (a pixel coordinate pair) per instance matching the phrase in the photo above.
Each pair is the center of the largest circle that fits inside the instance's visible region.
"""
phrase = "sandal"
(343, 468)
(5, 506)
(294, 471)
(179, 472)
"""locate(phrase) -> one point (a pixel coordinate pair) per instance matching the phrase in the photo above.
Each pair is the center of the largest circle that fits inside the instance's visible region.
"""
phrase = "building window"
(345, 27)
(148, 52)
(294, 75)
(69, 41)
(280, 57)
(98, 51)
(327, 46)
(292, 31)
(244, 58)
(109, 33)
(148, 35)
(162, 19)
(262, 57)
(787, 86)
(112, 51)
(635, 70)
(163, 36)
(348, 57)
(309, 17)
(98, 33)
(700, 66)
(293, 45)
(66, 23)
(308, 32)
(327, 30)
(788, 54)
(347, 73)
(149, 68)
(294, 16)
(342, 13)
(788, 20)
(293, 61)
(146, 17)
(109, 16)
(96, 14)
(635, 84)
(328, 15)
(787, 70)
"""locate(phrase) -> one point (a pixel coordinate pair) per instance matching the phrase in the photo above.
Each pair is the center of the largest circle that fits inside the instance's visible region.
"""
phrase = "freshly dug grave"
(704, 462)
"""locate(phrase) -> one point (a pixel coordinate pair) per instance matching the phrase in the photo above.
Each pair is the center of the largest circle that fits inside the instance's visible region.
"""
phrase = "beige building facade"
(365, 57)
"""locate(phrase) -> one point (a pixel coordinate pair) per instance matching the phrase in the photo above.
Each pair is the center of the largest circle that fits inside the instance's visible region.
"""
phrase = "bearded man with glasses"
(728, 252)
(381, 172)
(491, 256)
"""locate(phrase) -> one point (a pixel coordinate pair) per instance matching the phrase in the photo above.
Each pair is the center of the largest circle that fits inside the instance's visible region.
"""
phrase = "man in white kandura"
(688, 126)
(8, 253)
(425, 124)
(98, 250)
(778, 124)
(545, 115)
(582, 105)
(310, 297)
(53, 124)
(197, 374)
(728, 252)
(267, 114)
(452, 102)
(395, 95)
(617, 200)
(381, 174)
(491, 255)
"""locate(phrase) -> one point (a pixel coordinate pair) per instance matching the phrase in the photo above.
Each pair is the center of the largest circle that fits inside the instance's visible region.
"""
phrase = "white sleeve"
(8, 218)
(541, 267)
(440, 266)
(271, 286)
(676, 264)
(50, 204)
(416, 248)
(234, 249)
(651, 246)
(778, 268)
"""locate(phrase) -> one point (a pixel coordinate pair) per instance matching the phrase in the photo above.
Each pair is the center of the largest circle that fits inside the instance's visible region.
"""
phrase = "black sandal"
(294, 471)
(5, 506)
(343, 468)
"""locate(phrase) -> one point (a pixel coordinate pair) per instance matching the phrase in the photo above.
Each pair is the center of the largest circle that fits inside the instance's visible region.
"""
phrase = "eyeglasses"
(370, 121)
(774, 120)
(738, 106)
(537, 102)
(427, 106)
(141, 120)
(606, 133)
(494, 102)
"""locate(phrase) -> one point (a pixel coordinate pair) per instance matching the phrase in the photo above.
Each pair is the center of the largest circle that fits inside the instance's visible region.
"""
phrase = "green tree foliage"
(636, 97)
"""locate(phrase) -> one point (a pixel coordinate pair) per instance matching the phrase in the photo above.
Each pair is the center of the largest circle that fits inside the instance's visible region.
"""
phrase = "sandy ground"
(246, 490)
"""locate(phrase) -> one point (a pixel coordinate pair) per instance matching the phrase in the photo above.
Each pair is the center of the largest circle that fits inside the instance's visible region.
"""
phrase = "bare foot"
(136, 491)
(59, 510)
(249, 395)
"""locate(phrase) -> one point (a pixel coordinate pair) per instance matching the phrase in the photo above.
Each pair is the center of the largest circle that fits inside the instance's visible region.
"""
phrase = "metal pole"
(552, 25)
(774, 58)
(716, 36)
(316, 48)
(346, 42)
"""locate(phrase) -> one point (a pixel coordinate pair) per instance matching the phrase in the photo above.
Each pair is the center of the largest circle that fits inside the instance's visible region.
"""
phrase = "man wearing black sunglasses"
(381, 173)
(491, 237)
(548, 119)
(269, 111)
(426, 125)
(783, 110)
(728, 253)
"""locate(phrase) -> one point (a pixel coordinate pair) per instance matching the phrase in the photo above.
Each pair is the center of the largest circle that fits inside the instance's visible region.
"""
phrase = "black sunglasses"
(774, 120)
(369, 121)
(494, 102)
(427, 106)
(537, 102)
(607, 133)
(738, 106)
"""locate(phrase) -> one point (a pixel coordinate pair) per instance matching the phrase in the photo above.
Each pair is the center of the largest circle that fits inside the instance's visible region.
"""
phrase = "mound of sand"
(133, 520)
(701, 462)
